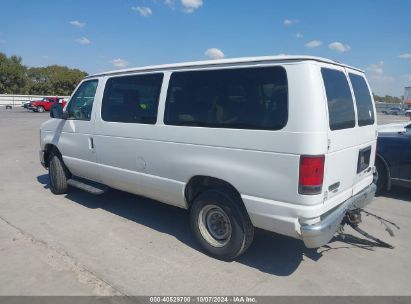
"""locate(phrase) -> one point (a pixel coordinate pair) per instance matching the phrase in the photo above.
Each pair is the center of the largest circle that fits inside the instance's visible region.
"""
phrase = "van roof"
(222, 62)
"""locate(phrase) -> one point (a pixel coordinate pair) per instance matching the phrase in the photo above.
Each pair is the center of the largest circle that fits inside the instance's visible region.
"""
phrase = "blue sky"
(99, 35)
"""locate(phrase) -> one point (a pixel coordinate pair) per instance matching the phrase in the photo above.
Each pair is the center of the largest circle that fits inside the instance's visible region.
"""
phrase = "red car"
(45, 104)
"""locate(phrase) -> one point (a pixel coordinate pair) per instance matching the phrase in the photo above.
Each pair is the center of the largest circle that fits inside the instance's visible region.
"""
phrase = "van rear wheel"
(58, 175)
(220, 224)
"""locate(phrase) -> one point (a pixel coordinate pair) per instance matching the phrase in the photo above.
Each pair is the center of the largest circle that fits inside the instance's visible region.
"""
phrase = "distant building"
(407, 97)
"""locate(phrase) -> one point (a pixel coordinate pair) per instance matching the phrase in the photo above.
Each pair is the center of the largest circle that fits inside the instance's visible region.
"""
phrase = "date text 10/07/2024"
(203, 299)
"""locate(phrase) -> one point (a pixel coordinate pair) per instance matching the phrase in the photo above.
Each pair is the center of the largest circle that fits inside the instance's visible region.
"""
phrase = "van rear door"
(351, 133)
(366, 130)
(342, 156)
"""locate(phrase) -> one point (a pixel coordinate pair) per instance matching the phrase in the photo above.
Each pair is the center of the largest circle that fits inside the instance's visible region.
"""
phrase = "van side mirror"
(56, 111)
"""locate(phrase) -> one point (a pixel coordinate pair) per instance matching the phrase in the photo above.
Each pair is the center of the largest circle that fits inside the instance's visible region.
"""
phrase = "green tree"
(13, 78)
(387, 99)
(53, 80)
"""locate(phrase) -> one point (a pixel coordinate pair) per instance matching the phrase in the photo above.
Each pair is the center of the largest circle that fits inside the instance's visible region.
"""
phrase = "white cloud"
(77, 23)
(408, 77)
(339, 47)
(143, 10)
(288, 22)
(187, 6)
(119, 63)
(190, 6)
(83, 40)
(405, 56)
(376, 70)
(170, 3)
(299, 35)
(383, 84)
(214, 53)
(313, 44)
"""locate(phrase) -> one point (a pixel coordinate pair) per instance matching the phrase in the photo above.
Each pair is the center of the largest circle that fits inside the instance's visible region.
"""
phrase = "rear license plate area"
(363, 159)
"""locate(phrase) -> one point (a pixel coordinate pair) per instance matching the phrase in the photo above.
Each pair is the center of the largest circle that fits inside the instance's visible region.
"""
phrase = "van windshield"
(243, 98)
(340, 103)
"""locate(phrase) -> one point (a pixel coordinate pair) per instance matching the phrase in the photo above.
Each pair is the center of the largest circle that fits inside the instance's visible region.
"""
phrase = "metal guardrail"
(17, 100)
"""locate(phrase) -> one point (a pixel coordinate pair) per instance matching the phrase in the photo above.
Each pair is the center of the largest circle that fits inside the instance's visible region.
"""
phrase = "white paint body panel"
(157, 161)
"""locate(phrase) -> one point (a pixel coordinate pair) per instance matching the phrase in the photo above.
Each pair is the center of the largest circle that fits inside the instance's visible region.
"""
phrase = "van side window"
(81, 104)
(365, 109)
(132, 99)
(340, 102)
(245, 98)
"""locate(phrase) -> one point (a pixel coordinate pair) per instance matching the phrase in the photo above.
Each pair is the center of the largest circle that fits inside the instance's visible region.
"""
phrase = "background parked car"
(25, 104)
(393, 111)
(393, 159)
(45, 104)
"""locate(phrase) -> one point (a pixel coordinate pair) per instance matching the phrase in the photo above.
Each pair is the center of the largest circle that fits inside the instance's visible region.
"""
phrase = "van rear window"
(365, 109)
(340, 103)
(252, 98)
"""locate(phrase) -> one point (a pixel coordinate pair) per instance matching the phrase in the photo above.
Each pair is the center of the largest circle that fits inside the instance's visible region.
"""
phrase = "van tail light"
(311, 174)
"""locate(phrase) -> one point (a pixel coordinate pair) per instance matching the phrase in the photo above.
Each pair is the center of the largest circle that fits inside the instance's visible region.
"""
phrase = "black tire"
(214, 201)
(40, 109)
(58, 175)
(382, 179)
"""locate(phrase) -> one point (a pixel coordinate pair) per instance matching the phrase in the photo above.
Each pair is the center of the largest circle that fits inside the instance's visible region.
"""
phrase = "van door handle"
(91, 143)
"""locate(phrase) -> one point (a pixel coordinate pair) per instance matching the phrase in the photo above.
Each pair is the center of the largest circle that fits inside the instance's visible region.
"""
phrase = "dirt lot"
(117, 243)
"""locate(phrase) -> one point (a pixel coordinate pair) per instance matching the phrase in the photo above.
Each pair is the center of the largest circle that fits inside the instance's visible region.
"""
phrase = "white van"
(286, 144)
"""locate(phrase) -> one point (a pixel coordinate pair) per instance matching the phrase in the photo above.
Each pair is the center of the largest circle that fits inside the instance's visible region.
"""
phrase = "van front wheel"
(58, 175)
(220, 224)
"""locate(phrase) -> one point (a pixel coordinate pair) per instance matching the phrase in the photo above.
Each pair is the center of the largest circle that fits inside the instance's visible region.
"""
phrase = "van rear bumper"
(321, 233)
